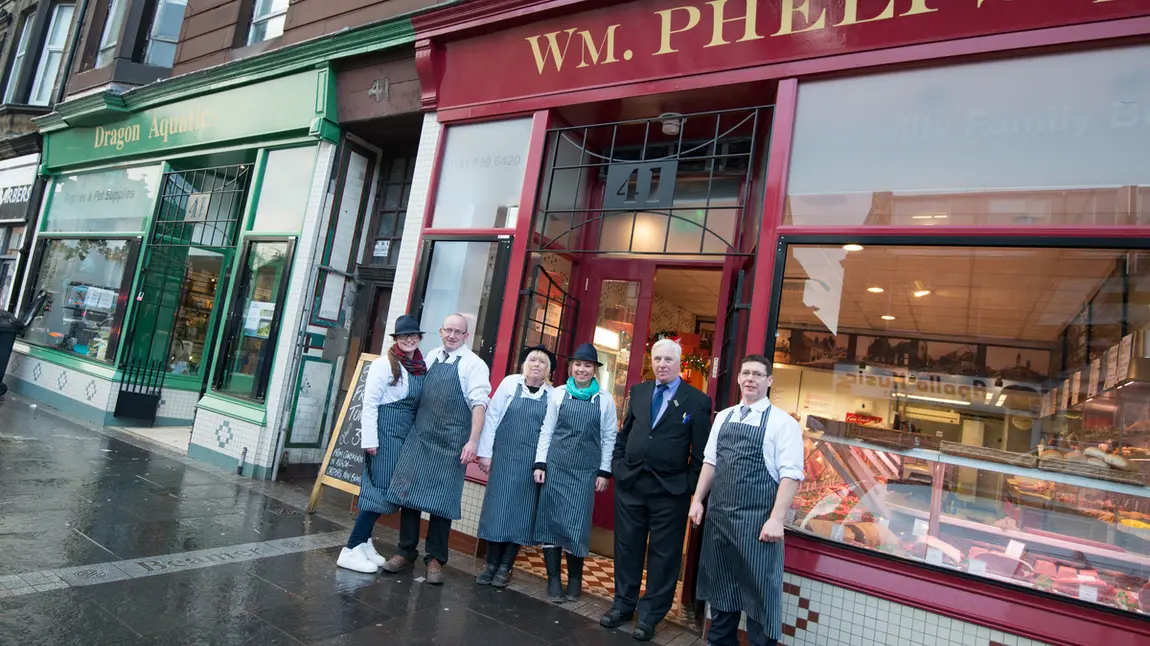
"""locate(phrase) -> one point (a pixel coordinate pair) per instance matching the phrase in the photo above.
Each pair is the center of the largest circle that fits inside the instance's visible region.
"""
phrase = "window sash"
(18, 60)
(111, 36)
(48, 70)
(263, 15)
(161, 50)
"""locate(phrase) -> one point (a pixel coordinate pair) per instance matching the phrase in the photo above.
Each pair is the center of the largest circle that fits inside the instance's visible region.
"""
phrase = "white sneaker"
(356, 560)
(371, 554)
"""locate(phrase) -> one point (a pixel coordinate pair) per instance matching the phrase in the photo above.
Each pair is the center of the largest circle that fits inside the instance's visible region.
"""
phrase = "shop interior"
(982, 408)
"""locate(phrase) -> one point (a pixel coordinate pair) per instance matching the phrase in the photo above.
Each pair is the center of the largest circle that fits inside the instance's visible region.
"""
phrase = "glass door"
(618, 295)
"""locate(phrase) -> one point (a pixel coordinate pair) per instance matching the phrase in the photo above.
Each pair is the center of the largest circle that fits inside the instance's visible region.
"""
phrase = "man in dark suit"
(657, 460)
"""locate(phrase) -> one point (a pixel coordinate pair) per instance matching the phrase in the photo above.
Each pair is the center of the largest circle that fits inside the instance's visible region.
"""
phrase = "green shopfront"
(176, 244)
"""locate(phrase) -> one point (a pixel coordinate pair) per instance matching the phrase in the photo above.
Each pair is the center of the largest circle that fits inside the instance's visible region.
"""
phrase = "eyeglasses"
(753, 373)
(450, 331)
(408, 337)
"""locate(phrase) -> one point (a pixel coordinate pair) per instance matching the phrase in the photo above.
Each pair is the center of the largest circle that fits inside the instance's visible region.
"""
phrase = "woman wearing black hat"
(572, 462)
(391, 396)
(507, 453)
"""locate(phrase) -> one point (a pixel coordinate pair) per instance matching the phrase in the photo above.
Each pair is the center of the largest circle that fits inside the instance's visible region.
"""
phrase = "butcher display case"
(1000, 518)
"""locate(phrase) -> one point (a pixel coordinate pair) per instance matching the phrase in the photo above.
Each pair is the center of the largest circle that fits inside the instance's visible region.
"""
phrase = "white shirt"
(500, 402)
(782, 443)
(474, 375)
(378, 391)
(608, 426)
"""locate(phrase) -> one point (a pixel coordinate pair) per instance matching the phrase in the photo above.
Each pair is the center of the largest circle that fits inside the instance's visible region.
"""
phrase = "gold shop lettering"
(725, 22)
(159, 128)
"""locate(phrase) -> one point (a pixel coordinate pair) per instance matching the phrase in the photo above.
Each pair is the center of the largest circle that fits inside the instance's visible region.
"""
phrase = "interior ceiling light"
(887, 317)
(921, 293)
(852, 247)
(875, 290)
(672, 123)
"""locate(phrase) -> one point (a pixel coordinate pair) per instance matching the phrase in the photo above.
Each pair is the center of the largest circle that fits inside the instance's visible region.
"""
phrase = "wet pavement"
(106, 539)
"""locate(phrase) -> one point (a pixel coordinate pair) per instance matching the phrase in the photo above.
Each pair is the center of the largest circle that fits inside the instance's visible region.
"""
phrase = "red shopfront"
(933, 214)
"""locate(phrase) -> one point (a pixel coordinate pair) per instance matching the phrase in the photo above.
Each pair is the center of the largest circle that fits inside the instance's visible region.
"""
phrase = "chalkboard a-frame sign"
(342, 466)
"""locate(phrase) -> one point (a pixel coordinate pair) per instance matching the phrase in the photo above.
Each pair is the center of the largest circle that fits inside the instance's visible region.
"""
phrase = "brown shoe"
(396, 564)
(434, 572)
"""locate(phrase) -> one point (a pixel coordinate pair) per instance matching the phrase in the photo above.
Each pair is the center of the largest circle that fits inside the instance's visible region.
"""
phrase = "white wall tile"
(850, 617)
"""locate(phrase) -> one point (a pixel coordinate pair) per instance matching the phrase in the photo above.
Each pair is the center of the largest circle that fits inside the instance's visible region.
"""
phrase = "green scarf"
(585, 394)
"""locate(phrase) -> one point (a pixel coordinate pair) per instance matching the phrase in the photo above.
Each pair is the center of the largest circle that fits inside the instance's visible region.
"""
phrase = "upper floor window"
(165, 32)
(268, 17)
(18, 60)
(51, 57)
(111, 34)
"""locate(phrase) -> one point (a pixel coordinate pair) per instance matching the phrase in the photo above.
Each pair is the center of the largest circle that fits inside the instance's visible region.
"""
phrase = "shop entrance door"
(185, 270)
(629, 304)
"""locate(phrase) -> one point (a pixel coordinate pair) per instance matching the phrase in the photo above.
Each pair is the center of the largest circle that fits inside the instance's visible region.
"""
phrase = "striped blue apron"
(567, 497)
(429, 476)
(737, 570)
(509, 505)
(395, 420)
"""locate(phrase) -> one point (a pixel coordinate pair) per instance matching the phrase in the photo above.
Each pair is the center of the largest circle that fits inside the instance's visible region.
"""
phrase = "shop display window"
(482, 175)
(86, 281)
(1055, 140)
(980, 408)
(257, 308)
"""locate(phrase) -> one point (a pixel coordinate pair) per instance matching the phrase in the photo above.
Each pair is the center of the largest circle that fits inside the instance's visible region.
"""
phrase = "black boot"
(553, 557)
(506, 564)
(574, 577)
(494, 556)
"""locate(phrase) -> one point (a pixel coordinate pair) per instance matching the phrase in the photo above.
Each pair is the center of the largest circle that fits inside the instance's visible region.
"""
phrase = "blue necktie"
(657, 403)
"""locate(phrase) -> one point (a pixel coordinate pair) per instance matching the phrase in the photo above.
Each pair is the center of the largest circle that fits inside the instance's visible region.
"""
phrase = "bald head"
(454, 332)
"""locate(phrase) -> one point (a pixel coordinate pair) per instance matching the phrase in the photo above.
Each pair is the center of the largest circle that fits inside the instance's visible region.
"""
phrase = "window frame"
(395, 236)
(127, 281)
(150, 35)
(233, 323)
(19, 57)
(46, 48)
(489, 325)
(111, 9)
(257, 19)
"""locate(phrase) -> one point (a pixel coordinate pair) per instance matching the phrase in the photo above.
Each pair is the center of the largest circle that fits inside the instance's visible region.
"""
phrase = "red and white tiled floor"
(599, 580)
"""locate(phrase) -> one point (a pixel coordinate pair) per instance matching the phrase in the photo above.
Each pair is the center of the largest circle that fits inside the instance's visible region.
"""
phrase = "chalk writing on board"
(346, 463)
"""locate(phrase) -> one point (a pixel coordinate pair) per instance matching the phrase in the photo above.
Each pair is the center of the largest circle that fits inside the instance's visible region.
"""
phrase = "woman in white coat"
(507, 454)
(391, 396)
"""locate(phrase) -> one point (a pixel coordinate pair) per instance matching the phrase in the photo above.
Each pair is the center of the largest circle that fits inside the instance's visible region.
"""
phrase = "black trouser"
(724, 630)
(438, 532)
(364, 524)
(652, 522)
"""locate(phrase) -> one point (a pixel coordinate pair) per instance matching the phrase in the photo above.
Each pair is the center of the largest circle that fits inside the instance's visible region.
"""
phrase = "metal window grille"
(549, 314)
(680, 180)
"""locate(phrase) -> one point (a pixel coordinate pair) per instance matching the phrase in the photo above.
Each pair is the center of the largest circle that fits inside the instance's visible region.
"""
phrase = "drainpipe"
(82, 9)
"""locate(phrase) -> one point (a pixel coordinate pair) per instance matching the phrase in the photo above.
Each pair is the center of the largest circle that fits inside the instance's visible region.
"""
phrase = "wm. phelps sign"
(652, 39)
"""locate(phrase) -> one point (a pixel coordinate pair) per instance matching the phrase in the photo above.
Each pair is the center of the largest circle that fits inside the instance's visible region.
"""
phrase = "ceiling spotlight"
(922, 292)
(887, 317)
(875, 290)
(852, 247)
(672, 123)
